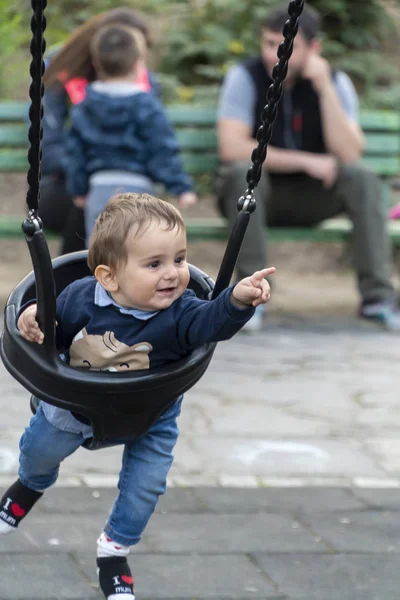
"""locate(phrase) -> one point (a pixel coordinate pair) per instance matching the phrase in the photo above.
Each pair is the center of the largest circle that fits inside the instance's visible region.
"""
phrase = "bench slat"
(200, 139)
(206, 115)
(10, 227)
(195, 139)
(378, 143)
(192, 115)
(207, 163)
(13, 161)
(14, 136)
(337, 229)
(387, 166)
(380, 120)
(200, 163)
(14, 111)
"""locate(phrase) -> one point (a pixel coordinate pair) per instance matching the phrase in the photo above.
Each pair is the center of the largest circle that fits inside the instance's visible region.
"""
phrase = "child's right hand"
(28, 325)
(253, 290)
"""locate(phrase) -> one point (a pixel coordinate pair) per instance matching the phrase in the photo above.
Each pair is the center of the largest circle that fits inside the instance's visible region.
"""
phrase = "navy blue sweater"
(102, 337)
(125, 133)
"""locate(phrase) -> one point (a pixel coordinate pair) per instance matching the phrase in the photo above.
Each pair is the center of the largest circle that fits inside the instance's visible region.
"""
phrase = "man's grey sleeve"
(237, 97)
(348, 95)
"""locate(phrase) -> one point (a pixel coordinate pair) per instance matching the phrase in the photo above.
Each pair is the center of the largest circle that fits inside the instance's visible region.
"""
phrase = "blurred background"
(195, 42)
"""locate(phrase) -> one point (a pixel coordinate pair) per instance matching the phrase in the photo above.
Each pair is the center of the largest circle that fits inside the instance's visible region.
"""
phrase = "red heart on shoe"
(17, 510)
(127, 579)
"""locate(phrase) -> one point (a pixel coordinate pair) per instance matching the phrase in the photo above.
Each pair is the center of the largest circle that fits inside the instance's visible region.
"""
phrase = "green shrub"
(196, 41)
(208, 36)
(10, 43)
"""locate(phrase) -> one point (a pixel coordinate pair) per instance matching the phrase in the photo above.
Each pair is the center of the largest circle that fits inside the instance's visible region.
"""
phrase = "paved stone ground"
(309, 400)
(216, 543)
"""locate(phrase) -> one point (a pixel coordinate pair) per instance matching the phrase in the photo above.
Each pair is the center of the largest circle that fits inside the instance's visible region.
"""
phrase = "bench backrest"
(195, 127)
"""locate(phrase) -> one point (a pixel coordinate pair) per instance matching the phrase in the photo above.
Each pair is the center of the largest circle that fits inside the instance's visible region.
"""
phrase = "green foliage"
(10, 42)
(363, 39)
(196, 41)
(64, 15)
(208, 36)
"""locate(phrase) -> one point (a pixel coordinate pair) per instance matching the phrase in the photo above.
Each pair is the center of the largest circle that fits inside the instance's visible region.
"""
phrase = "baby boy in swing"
(137, 300)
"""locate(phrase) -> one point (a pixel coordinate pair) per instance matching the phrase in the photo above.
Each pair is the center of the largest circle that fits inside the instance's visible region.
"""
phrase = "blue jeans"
(146, 462)
(99, 195)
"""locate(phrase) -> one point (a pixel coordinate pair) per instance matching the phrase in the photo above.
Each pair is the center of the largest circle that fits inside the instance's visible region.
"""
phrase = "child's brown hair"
(107, 244)
(116, 49)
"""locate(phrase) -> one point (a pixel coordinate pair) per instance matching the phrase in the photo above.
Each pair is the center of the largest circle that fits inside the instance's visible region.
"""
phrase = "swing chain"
(274, 95)
(36, 90)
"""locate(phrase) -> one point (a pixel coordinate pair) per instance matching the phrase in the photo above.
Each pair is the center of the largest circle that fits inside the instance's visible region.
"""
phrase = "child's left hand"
(253, 290)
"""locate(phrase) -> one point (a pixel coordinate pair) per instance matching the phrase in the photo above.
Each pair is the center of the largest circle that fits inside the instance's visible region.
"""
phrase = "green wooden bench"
(196, 132)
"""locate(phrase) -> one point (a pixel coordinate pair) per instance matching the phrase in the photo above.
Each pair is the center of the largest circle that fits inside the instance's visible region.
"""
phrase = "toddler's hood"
(111, 111)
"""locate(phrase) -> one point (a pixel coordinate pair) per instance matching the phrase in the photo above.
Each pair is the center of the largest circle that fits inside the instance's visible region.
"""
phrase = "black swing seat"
(118, 405)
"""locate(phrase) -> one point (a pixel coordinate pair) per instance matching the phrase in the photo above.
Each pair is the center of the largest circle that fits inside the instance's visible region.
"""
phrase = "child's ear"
(106, 277)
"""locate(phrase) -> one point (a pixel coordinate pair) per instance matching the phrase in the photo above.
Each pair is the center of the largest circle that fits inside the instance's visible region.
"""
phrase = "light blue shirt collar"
(103, 298)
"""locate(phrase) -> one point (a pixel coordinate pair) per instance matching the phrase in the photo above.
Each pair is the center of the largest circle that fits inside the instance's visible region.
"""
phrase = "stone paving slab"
(290, 500)
(334, 577)
(62, 500)
(226, 533)
(358, 532)
(45, 577)
(385, 499)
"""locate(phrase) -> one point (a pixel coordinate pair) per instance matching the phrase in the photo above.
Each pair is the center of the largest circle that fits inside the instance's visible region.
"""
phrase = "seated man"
(312, 171)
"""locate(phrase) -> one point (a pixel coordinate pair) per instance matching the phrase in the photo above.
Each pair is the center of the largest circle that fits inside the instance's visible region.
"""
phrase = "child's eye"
(154, 264)
(179, 259)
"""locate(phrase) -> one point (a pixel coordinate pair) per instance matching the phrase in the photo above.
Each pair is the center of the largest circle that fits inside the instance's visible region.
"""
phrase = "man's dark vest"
(298, 122)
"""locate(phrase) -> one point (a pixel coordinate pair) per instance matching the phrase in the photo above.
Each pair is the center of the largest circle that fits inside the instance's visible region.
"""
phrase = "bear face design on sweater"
(106, 353)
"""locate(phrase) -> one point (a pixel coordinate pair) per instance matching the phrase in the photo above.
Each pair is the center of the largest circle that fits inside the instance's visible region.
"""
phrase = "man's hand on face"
(318, 70)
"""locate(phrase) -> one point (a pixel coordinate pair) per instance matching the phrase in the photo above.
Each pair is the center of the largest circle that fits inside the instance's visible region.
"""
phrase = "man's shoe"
(385, 313)
(256, 321)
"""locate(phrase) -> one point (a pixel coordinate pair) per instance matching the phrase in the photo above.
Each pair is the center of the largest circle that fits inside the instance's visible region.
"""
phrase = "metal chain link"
(274, 95)
(36, 91)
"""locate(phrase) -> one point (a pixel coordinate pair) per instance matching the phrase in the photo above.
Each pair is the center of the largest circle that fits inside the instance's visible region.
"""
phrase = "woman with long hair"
(68, 71)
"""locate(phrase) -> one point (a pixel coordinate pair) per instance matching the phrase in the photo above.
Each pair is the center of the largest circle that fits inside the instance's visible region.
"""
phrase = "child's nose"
(171, 272)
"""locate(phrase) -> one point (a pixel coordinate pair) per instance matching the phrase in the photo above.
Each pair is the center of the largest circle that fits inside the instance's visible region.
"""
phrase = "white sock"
(121, 597)
(106, 547)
